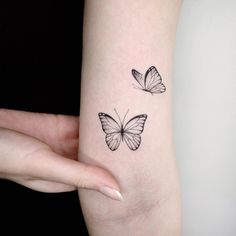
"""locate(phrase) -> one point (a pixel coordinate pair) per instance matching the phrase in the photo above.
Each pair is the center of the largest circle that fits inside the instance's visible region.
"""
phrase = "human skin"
(40, 150)
(120, 36)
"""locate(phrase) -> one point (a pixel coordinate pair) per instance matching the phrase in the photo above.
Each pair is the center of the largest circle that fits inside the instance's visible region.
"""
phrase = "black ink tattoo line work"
(151, 82)
(129, 132)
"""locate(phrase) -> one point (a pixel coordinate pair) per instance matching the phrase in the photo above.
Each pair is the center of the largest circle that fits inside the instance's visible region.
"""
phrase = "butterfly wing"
(132, 131)
(113, 140)
(159, 88)
(112, 130)
(132, 140)
(138, 77)
(153, 81)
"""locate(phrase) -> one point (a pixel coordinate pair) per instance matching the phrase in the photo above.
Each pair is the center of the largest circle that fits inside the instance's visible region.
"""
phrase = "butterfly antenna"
(117, 115)
(125, 116)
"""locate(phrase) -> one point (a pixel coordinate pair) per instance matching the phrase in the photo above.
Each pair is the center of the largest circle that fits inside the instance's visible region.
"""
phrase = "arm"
(120, 36)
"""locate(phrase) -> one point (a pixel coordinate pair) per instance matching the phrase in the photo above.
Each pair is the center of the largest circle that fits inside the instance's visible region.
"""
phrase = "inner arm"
(120, 36)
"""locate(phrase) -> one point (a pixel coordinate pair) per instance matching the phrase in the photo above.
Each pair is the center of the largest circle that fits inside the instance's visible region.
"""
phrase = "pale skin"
(40, 150)
(120, 36)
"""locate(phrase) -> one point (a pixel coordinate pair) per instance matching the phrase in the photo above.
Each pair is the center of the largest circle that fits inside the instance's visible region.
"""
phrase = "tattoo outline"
(151, 82)
(129, 132)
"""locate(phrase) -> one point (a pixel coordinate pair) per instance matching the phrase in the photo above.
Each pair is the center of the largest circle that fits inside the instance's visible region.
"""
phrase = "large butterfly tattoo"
(129, 132)
(151, 82)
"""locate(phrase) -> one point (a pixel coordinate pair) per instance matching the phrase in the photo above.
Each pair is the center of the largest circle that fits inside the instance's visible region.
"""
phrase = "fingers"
(43, 185)
(60, 132)
(40, 125)
(24, 158)
(50, 166)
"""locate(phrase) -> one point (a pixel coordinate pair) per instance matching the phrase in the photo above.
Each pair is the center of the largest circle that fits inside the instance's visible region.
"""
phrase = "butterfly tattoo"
(151, 82)
(129, 132)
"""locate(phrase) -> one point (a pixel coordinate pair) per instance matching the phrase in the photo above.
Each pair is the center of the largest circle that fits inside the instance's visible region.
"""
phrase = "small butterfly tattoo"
(151, 82)
(117, 132)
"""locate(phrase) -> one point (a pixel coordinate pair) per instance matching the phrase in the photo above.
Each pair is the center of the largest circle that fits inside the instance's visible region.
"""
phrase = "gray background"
(204, 104)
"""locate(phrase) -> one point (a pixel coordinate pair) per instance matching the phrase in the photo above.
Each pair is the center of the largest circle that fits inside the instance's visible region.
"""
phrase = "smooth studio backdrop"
(204, 105)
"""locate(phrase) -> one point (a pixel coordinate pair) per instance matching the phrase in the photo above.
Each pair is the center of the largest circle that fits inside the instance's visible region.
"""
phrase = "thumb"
(54, 167)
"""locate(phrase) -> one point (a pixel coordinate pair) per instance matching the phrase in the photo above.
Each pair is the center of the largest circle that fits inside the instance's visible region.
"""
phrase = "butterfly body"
(122, 132)
(128, 133)
(151, 82)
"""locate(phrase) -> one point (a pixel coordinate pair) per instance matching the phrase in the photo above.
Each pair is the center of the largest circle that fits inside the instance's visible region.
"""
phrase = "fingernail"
(112, 193)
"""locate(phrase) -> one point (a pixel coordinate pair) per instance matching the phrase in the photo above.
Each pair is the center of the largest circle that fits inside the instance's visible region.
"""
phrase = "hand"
(40, 151)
